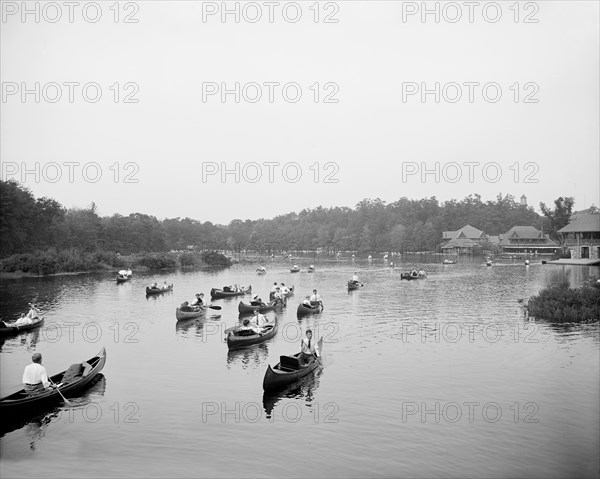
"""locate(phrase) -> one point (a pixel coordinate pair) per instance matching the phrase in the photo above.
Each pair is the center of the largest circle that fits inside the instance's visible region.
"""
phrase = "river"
(441, 377)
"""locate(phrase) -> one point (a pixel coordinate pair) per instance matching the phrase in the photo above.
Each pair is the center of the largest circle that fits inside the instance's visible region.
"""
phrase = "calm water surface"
(442, 377)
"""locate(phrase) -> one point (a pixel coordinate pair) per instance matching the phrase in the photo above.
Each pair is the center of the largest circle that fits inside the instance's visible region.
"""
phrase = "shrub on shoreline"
(561, 303)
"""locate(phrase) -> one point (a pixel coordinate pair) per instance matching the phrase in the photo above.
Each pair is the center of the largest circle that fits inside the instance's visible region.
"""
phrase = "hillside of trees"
(29, 224)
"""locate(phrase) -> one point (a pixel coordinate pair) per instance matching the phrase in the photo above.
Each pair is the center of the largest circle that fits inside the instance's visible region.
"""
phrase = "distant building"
(582, 236)
(463, 241)
(523, 200)
(526, 239)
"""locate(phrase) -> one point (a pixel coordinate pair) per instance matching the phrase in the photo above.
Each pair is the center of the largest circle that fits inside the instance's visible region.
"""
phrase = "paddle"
(67, 402)
(218, 308)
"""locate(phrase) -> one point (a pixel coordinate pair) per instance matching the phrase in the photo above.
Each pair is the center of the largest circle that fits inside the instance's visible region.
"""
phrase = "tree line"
(29, 224)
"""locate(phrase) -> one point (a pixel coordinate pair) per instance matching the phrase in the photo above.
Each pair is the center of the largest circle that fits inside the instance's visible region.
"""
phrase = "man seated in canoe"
(355, 278)
(315, 299)
(154, 286)
(309, 350)
(166, 285)
(198, 300)
(414, 273)
(273, 288)
(35, 377)
(247, 329)
(284, 289)
(185, 307)
(279, 297)
(33, 311)
(258, 320)
(256, 301)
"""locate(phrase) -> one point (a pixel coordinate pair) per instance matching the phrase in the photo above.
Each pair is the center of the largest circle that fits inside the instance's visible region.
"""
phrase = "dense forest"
(29, 224)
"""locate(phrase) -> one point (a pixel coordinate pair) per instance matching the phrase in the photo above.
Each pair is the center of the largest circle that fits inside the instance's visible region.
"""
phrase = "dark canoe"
(182, 315)
(261, 271)
(294, 270)
(311, 270)
(304, 310)
(352, 285)
(248, 308)
(288, 370)
(235, 341)
(122, 279)
(216, 293)
(159, 290)
(12, 330)
(75, 379)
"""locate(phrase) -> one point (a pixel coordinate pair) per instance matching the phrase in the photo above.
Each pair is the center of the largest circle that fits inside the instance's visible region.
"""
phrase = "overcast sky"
(516, 110)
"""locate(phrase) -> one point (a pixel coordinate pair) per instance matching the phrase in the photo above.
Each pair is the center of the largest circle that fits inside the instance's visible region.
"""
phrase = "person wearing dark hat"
(35, 377)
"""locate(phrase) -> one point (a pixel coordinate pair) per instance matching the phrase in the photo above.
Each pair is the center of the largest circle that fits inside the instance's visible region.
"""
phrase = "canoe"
(217, 293)
(74, 380)
(409, 276)
(352, 285)
(311, 270)
(289, 294)
(287, 370)
(261, 271)
(294, 270)
(11, 330)
(159, 290)
(248, 308)
(304, 310)
(449, 261)
(181, 315)
(236, 341)
(122, 279)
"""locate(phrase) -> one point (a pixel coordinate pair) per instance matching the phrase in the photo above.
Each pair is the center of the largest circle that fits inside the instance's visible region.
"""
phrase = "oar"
(67, 402)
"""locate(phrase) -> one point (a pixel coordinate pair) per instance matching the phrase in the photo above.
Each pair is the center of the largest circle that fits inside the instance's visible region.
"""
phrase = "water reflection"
(27, 340)
(251, 356)
(302, 389)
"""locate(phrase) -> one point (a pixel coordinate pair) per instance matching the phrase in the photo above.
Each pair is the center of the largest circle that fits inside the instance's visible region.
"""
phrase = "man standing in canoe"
(35, 377)
(308, 349)
(258, 319)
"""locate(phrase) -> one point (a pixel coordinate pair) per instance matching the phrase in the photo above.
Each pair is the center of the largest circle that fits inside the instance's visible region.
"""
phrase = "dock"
(578, 262)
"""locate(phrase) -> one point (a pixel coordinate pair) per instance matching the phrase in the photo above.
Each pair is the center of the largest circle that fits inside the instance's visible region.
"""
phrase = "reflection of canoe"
(248, 308)
(159, 290)
(10, 330)
(181, 315)
(236, 341)
(74, 379)
(288, 370)
(217, 293)
(303, 310)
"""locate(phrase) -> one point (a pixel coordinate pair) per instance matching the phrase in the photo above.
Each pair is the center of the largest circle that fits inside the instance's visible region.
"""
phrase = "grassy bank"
(560, 303)
(74, 261)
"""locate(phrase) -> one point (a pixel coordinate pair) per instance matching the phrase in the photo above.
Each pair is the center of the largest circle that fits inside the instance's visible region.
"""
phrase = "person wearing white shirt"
(35, 377)
(258, 319)
(308, 349)
(316, 298)
(355, 278)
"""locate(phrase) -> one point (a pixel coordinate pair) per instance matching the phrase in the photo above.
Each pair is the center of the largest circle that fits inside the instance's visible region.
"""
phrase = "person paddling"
(35, 377)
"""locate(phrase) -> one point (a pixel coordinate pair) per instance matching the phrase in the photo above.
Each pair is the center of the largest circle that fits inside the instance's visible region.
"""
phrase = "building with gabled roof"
(526, 239)
(582, 236)
(463, 241)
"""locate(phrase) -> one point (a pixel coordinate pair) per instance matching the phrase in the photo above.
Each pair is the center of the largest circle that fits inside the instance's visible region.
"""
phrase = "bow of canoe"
(10, 330)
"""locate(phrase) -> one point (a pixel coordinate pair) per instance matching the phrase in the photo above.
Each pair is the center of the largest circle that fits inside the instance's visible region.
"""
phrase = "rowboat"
(248, 308)
(235, 340)
(181, 315)
(353, 285)
(74, 379)
(11, 330)
(304, 310)
(216, 293)
(288, 370)
(159, 290)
